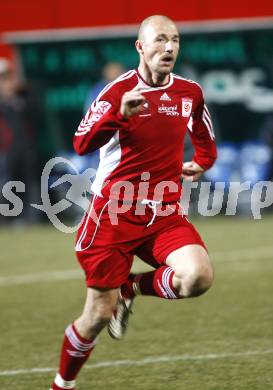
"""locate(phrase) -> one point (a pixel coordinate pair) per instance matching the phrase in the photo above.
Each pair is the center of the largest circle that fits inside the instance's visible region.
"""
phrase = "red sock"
(75, 352)
(127, 289)
(156, 283)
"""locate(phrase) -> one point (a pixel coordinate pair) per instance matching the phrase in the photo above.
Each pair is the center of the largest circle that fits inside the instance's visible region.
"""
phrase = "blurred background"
(56, 57)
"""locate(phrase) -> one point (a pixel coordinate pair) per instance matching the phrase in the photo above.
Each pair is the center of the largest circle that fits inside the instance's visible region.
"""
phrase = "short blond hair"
(146, 22)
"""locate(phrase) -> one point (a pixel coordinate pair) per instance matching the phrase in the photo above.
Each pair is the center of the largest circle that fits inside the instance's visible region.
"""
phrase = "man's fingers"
(134, 100)
(192, 168)
(186, 177)
(196, 176)
(192, 176)
(135, 94)
(191, 171)
(188, 164)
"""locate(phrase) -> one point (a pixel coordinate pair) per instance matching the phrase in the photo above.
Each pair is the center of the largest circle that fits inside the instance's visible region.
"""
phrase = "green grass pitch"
(220, 341)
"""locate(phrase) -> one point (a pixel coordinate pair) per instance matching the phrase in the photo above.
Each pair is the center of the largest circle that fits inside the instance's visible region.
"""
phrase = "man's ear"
(139, 46)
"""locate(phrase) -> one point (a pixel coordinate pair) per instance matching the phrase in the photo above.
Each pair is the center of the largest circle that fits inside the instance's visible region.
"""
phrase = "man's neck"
(153, 79)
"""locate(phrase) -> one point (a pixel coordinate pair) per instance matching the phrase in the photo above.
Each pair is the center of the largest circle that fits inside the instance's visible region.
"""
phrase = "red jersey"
(151, 141)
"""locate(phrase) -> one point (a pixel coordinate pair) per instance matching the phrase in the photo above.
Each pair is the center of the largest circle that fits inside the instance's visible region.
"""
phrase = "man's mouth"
(168, 59)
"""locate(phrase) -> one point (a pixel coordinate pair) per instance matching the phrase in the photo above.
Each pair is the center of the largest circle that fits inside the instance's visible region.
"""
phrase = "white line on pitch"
(148, 360)
(243, 254)
(73, 274)
(69, 274)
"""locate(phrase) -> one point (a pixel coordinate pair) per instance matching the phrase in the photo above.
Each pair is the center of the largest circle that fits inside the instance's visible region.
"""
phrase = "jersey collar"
(144, 85)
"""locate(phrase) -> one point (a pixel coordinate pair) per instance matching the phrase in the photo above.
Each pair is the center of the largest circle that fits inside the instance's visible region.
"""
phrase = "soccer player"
(139, 122)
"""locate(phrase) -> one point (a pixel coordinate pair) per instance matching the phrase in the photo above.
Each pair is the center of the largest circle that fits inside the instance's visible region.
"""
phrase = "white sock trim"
(77, 344)
(60, 382)
(166, 283)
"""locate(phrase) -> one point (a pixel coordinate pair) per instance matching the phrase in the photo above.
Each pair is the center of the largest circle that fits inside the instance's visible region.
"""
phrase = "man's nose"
(169, 47)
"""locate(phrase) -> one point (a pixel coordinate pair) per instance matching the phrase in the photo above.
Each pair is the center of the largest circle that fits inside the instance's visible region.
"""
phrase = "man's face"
(160, 46)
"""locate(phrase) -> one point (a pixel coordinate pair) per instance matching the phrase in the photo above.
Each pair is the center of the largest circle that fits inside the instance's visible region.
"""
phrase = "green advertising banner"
(235, 70)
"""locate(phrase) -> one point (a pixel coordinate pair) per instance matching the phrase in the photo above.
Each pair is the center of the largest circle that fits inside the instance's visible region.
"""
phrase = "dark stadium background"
(223, 340)
(60, 48)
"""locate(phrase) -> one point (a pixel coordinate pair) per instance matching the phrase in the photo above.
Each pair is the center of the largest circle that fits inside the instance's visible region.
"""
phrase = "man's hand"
(191, 171)
(131, 102)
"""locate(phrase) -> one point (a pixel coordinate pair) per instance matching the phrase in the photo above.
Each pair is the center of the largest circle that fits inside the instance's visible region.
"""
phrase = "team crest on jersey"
(186, 107)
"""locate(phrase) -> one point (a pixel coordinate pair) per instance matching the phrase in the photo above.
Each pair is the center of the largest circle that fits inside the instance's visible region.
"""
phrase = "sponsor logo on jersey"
(165, 97)
(168, 110)
(186, 107)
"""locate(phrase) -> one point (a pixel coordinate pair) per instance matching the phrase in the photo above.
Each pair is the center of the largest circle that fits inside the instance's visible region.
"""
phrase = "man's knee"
(198, 282)
(193, 272)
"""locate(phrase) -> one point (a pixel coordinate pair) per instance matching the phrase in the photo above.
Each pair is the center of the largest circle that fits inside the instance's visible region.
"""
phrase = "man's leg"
(192, 270)
(187, 273)
(80, 337)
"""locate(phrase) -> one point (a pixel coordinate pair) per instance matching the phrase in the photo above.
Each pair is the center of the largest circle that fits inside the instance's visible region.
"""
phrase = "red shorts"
(105, 251)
